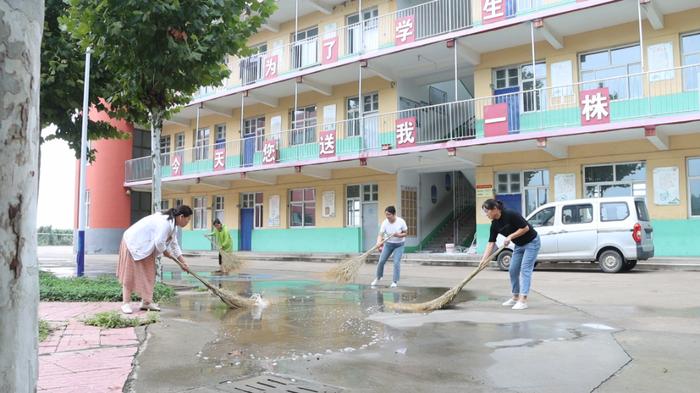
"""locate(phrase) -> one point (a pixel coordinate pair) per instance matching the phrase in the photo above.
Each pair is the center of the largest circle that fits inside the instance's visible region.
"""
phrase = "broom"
(231, 299)
(347, 271)
(229, 261)
(448, 296)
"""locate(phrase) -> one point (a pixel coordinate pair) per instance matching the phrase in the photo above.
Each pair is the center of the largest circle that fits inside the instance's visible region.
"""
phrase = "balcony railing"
(410, 24)
(633, 96)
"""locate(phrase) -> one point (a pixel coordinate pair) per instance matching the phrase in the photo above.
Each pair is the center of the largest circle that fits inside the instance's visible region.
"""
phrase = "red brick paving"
(80, 358)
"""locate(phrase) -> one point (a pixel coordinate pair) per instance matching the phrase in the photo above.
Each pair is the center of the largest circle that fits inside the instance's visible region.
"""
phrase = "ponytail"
(491, 204)
(173, 212)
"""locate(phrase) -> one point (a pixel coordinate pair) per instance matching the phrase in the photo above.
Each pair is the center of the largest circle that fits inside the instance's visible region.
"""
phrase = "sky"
(56, 184)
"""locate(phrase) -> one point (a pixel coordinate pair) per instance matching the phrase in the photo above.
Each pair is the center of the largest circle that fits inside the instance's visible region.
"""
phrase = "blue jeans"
(397, 250)
(521, 265)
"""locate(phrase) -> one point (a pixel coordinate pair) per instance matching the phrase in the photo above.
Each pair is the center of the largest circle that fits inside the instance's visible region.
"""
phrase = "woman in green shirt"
(222, 238)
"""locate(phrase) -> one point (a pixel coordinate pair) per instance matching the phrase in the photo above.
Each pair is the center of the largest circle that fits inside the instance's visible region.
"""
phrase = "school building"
(347, 107)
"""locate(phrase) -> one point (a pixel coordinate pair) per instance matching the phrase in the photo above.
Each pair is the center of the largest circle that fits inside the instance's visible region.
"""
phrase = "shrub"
(84, 289)
(44, 330)
(115, 320)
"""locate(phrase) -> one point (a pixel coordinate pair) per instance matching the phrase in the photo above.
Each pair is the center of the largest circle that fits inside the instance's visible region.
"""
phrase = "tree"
(159, 52)
(62, 67)
(20, 49)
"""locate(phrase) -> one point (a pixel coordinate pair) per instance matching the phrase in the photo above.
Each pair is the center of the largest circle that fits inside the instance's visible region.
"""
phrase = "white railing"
(650, 94)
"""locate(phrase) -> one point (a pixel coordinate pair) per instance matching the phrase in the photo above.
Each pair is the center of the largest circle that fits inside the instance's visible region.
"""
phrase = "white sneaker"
(126, 308)
(393, 285)
(375, 282)
(520, 306)
(149, 307)
(508, 303)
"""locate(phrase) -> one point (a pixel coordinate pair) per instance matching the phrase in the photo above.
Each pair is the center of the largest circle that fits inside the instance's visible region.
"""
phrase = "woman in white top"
(396, 226)
(148, 238)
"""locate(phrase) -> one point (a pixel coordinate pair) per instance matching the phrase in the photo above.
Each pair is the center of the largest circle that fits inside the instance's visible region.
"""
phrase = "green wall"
(194, 240)
(308, 240)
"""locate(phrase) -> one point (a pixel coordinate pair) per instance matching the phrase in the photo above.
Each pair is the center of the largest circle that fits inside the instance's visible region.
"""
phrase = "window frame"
(307, 132)
(409, 209)
(165, 149)
(552, 218)
(303, 203)
(199, 222)
(688, 179)
(201, 145)
(683, 63)
(623, 203)
(218, 211)
(251, 126)
(627, 76)
(353, 115)
(563, 208)
(597, 192)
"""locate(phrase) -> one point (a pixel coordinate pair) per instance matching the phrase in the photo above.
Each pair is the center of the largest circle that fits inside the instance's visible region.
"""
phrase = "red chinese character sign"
(406, 132)
(326, 144)
(269, 152)
(270, 67)
(404, 30)
(176, 164)
(496, 119)
(493, 11)
(220, 158)
(330, 50)
(595, 106)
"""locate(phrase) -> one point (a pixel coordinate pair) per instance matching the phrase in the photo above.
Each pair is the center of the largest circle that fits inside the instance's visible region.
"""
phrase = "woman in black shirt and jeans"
(526, 243)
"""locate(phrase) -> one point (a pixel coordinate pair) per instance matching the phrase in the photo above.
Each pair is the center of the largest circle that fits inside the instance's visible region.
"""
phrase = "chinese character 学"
(219, 159)
(595, 106)
(404, 133)
(493, 9)
(328, 144)
(404, 29)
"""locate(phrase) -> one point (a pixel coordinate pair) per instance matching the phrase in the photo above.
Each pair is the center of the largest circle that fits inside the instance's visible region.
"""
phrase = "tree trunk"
(156, 127)
(21, 24)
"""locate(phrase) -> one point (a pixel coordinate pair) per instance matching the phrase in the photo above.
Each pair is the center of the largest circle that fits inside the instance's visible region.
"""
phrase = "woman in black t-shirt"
(526, 245)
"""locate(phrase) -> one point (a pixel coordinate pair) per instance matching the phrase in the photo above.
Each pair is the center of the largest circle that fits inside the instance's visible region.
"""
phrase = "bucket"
(449, 248)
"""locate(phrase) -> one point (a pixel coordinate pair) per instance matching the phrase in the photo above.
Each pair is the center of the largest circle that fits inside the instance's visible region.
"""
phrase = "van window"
(642, 213)
(614, 211)
(577, 214)
(543, 218)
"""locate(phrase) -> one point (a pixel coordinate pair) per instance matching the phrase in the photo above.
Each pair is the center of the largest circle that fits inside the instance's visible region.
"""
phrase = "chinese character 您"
(404, 29)
(269, 152)
(595, 106)
(492, 9)
(404, 133)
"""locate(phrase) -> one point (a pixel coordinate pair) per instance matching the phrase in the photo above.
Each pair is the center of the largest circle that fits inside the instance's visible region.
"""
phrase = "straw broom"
(347, 271)
(229, 261)
(229, 298)
(448, 296)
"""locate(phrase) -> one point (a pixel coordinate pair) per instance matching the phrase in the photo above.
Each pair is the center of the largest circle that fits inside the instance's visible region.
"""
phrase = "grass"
(83, 289)
(115, 320)
(44, 330)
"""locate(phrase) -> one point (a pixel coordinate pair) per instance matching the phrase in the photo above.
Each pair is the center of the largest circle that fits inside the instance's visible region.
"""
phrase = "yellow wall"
(681, 148)
(340, 179)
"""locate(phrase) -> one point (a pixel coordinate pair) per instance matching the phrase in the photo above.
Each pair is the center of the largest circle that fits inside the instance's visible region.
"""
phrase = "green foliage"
(44, 330)
(115, 320)
(48, 236)
(160, 51)
(84, 289)
(62, 73)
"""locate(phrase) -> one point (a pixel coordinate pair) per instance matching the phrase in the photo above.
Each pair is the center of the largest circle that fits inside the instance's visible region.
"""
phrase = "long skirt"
(138, 276)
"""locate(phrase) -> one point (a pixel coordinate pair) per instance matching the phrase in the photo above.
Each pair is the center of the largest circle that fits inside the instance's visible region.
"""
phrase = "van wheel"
(610, 261)
(503, 259)
(629, 265)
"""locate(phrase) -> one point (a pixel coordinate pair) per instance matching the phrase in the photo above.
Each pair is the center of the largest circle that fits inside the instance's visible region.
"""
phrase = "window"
(201, 144)
(577, 214)
(258, 210)
(302, 207)
(141, 143)
(370, 107)
(219, 208)
(627, 179)
(370, 35)
(523, 78)
(220, 133)
(694, 186)
(611, 68)
(165, 150)
(177, 202)
(304, 48)
(536, 188)
(164, 204)
(304, 126)
(179, 141)
(199, 213)
(642, 213)
(614, 211)
(353, 206)
(507, 77)
(543, 218)
(251, 68)
(508, 183)
(87, 208)
(690, 54)
(409, 209)
(255, 128)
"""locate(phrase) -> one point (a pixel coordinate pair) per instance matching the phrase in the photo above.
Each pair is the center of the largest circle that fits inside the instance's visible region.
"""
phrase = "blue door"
(511, 8)
(509, 95)
(246, 236)
(248, 150)
(512, 202)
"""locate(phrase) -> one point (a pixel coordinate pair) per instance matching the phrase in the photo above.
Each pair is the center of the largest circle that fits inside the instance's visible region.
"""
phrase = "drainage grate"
(272, 383)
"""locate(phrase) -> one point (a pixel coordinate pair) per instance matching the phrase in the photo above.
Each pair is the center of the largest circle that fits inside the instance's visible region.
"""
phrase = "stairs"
(465, 229)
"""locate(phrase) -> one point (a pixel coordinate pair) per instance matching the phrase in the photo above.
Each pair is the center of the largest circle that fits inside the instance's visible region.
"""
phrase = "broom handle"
(376, 246)
(482, 266)
(195, 275)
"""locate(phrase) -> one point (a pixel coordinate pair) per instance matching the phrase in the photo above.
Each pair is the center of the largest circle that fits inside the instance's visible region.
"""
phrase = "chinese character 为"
(493, 9)
(329, 45)
(328, 144)
(219, 159)
(404, 133)
(270, 67)
(269, 153)
(404, 29)
(595, 106)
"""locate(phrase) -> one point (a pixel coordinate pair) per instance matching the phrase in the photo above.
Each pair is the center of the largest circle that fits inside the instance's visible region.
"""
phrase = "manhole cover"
(277, 383)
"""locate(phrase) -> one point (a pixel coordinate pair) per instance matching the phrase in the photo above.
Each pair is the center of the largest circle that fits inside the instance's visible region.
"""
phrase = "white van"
(614, 231)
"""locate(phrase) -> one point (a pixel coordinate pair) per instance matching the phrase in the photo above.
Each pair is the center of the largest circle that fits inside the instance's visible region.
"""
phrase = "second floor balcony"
(628, 101)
